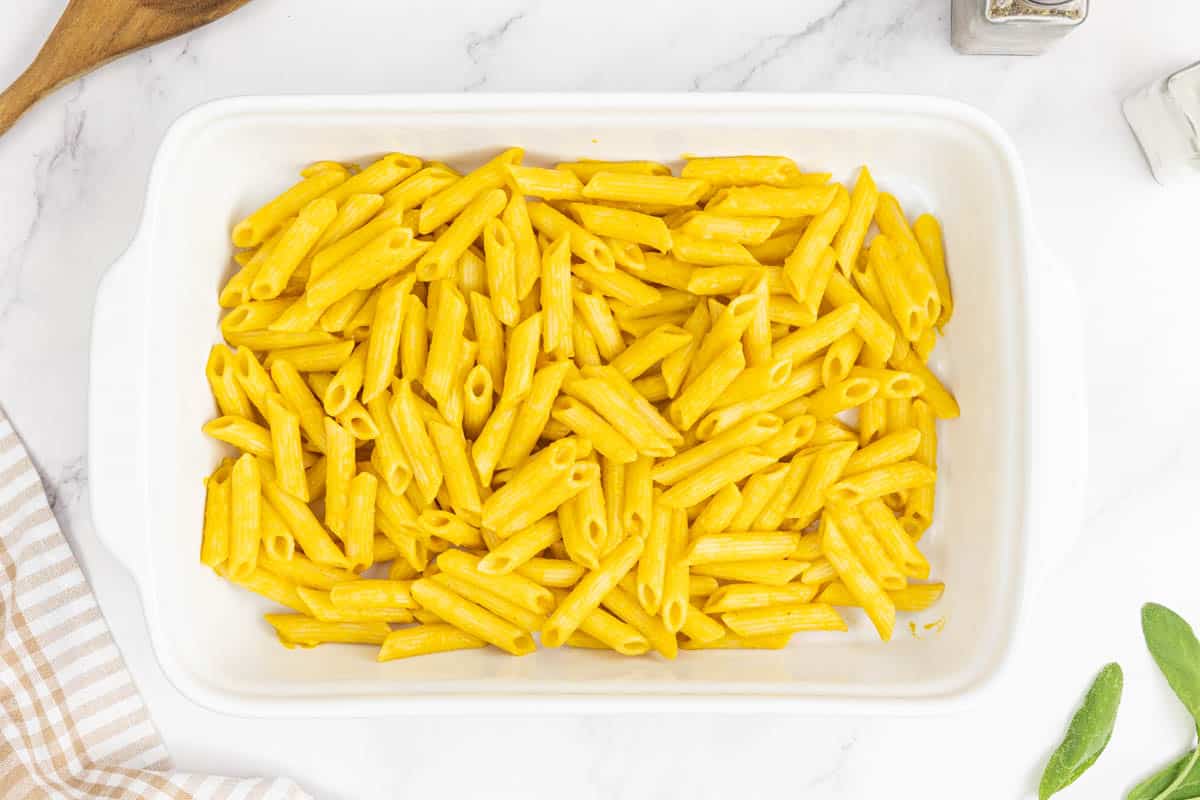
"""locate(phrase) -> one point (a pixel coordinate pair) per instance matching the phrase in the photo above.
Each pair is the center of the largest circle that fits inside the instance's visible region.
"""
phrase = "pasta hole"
(904, 386)
(931, 309)
(707, 428)
(914, 320)
(337, 399)
(594, 533)
(858, 391)
(523, 643)
(673, 616)
(244, 234)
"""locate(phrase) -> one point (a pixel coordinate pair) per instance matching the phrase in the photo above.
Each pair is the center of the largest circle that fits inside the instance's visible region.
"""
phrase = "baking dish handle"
(1059, 411)
(116, 446)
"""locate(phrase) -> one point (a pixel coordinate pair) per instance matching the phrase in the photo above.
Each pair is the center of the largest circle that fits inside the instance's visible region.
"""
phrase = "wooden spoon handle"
(93, 32)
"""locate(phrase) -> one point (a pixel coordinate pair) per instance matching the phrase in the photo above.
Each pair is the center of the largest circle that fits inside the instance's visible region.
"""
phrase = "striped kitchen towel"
(73, 724)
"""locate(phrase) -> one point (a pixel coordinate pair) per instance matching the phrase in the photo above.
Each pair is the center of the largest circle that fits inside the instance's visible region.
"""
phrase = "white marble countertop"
(72, 181)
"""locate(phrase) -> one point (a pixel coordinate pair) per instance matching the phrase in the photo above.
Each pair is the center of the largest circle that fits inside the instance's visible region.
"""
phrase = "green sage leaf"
(1154, 786)
(1087, 735)
(1173, 644)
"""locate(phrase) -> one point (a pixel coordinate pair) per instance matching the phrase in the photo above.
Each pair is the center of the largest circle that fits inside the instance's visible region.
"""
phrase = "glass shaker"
(1013, 27)
(1165, 117)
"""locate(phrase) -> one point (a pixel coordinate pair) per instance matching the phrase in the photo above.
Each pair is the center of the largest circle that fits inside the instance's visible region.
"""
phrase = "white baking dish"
(1011, 467)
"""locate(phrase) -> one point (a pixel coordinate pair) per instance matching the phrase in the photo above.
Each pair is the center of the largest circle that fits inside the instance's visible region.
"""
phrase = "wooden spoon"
(93, 32)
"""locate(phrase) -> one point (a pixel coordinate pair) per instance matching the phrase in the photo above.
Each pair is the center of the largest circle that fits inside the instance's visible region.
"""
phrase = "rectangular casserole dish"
(1011, 468)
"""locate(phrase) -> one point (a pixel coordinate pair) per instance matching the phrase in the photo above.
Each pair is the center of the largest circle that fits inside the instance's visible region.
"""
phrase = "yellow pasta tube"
(928, 233)
(245, 525)
(889, 449)
(861, 537)
(784, 619)
(452, 200)
(850, 393)
(544, 482)
(255, 229)
(214, 548)
(754, 430)
(584, 525)
(802, 267)
(918, 511)
(650, 349)
(377, 177)
(300, 399)
(501, 606)
(872, 420)
(608, 403)
(771, 201)
(300, 520)
(939, 398)
(324, 357)
(742, 170)
(677, 365)
(471, 618)
(758, 491)
(535, 411)
(708, 480)
(840, 358)
(651, 568)
(771, 572)
(359, 326)
(588, 593)
(300, 570)
(757, 343)
(624, 224)
(435, 524)
(222, 379)
(631, 187)
(622, 602)
(714, 548)
(709, 252)
(300, 630)
(439, 261)
(591, 426)
(807, 342)
(419, 452)
(877, 604)
(445, 344)
(477, 400)
(339, 471)
(242, 434)
(423, 640)
(593, 310)
(522, 355)
(772, 514)
(500, 252)
(383, 346)
(804, 379)
(700, 627)
(849, 239)
(459, 477)
(557, 302)
(525, 246)
(879, 337)
(584, 244)
(898, 544)
(550, 184)
(291, 248)
(743, 230)
(612, 482)
(286, 448)
(346, 382)
(255, 315)
(520, 547)
(586, 168)
(743, 596)
(675, 603)
(700, 394)
(517, 588)
(552, 572)
(727, 329)
(910, 315)
(490, 335)
(827, 466)
(881, 481)
(359, 530)
(489, 445)
(718, 512)
(388, 457)
(700, 586)
(638, 505)
(914, 597)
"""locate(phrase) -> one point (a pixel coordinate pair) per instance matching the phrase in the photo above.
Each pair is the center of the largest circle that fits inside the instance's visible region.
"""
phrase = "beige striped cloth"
(72, 724)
